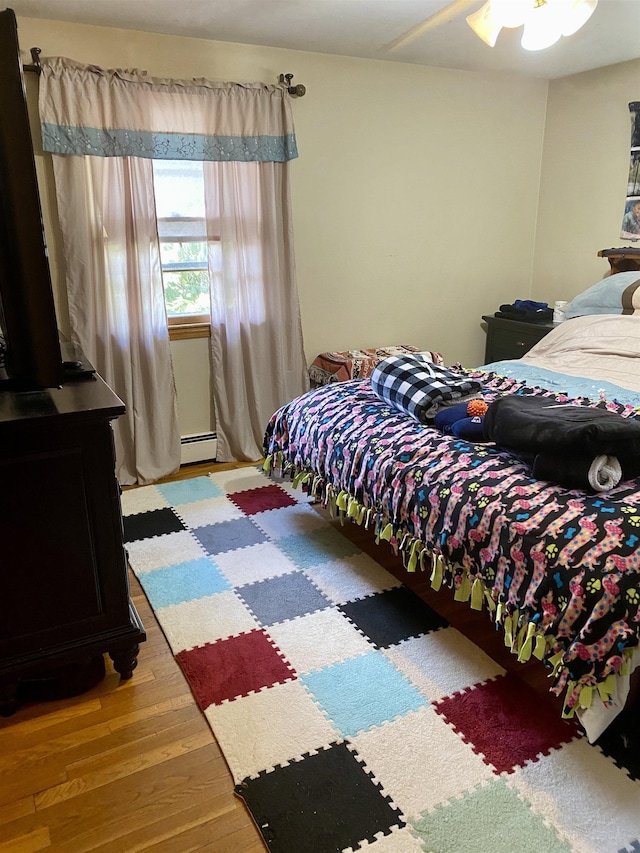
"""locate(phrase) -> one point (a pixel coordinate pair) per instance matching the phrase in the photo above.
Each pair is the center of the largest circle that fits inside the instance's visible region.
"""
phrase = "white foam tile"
(209, 511)
(288, 520)
(319, 639)
(351, 577)
(240, 479)
(398, 841)
(405, 753)
(160, 551)
(255, 735)
(143, 499)
(205, 620)
(584, 795)
(442, 662)
(254, 563)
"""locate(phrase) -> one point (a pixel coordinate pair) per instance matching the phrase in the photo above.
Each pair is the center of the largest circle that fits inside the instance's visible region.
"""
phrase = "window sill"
(187, 331)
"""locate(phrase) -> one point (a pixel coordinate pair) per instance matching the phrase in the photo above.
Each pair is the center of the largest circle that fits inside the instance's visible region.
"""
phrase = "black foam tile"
(324, 803)
(156, 522)
(392, 616)
(621, 741)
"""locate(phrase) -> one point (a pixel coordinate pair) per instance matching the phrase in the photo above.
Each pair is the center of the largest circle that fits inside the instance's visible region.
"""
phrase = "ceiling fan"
(544, 21)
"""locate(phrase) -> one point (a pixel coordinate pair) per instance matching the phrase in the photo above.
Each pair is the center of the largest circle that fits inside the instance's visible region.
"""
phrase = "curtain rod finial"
(35, 61)
(298, 91)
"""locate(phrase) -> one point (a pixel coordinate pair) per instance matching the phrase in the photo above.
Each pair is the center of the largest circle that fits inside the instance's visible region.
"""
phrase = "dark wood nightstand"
(511, 338)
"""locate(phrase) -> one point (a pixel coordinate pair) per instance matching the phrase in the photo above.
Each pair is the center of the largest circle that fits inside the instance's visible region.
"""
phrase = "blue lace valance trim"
(100, 142)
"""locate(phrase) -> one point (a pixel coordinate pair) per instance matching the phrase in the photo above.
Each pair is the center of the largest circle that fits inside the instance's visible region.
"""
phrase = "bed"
(557, 568)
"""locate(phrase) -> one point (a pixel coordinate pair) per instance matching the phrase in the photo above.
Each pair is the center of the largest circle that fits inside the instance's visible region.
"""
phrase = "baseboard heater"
(198, 447)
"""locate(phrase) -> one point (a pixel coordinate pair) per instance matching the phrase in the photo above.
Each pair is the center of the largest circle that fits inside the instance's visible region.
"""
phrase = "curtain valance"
(88, 110)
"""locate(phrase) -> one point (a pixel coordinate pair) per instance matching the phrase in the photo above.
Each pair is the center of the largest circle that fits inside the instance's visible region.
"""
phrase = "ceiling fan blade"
(443, 16)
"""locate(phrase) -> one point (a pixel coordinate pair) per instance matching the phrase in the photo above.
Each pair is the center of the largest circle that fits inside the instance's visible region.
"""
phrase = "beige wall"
(415, 191)
(414, 196)
(584, 178)
(422, 197)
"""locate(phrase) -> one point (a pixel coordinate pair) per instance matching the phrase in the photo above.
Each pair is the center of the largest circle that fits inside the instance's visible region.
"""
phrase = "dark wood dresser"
(64, 592)
(508, 339)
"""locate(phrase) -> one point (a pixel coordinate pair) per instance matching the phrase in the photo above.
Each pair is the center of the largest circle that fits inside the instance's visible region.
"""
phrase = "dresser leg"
(8, 698)
(125, 660)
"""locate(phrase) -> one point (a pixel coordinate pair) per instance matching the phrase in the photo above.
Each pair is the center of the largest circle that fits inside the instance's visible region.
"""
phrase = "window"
(180, 210)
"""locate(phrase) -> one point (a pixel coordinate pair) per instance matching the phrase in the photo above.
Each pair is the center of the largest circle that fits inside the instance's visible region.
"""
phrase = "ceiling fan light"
(543, 26)
(537, 36)
(577, 15)
(510, 13)
(484, 24)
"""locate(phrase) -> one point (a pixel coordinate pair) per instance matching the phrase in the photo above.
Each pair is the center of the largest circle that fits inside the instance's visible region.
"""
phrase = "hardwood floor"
(124, 767)
(133, 766)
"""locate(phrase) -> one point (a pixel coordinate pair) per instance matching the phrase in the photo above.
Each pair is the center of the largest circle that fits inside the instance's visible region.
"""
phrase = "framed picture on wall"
(631, 217)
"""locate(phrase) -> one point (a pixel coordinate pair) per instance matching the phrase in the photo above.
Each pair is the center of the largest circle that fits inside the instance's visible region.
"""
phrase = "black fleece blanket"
(538, 424)
(594, 474)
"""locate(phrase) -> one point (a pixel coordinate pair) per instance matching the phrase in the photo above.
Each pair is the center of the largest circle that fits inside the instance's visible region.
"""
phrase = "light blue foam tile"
(183, 582)
(317, 546)
(188, 491)
(363, 692)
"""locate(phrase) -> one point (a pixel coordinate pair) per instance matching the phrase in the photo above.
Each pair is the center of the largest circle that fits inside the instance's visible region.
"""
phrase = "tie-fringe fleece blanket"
(353, 716)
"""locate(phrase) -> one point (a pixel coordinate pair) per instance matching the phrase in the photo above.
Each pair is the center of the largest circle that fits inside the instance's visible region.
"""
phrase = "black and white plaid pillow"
(418, 387)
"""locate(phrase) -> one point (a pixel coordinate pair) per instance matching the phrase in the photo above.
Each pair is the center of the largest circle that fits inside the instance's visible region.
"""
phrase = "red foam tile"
(233, 667)
(261, 499)
(506, 722)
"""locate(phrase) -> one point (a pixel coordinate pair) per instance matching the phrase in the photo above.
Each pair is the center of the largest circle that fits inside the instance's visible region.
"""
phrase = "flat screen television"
(28, 321)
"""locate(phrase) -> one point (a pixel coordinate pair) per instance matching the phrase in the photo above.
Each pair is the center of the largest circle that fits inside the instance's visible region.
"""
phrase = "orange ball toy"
(476, 408)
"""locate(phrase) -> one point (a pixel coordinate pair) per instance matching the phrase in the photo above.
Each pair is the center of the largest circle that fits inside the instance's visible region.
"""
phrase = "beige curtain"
(257, 356)
(244, 134)
(116, 303)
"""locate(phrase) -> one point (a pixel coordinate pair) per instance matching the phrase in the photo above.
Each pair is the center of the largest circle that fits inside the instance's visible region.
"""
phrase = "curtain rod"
(298, 91)
(35, 59)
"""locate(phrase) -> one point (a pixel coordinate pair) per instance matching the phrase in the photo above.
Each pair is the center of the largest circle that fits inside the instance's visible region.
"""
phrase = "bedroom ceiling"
(363, 28)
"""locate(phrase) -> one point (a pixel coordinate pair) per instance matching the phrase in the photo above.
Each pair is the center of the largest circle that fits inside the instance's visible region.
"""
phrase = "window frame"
(185, 326)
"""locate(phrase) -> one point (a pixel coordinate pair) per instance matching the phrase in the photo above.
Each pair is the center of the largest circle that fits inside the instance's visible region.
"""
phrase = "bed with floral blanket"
(557, 568)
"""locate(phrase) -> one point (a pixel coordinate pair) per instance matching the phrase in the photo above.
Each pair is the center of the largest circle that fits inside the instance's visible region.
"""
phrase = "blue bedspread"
(572, 386)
